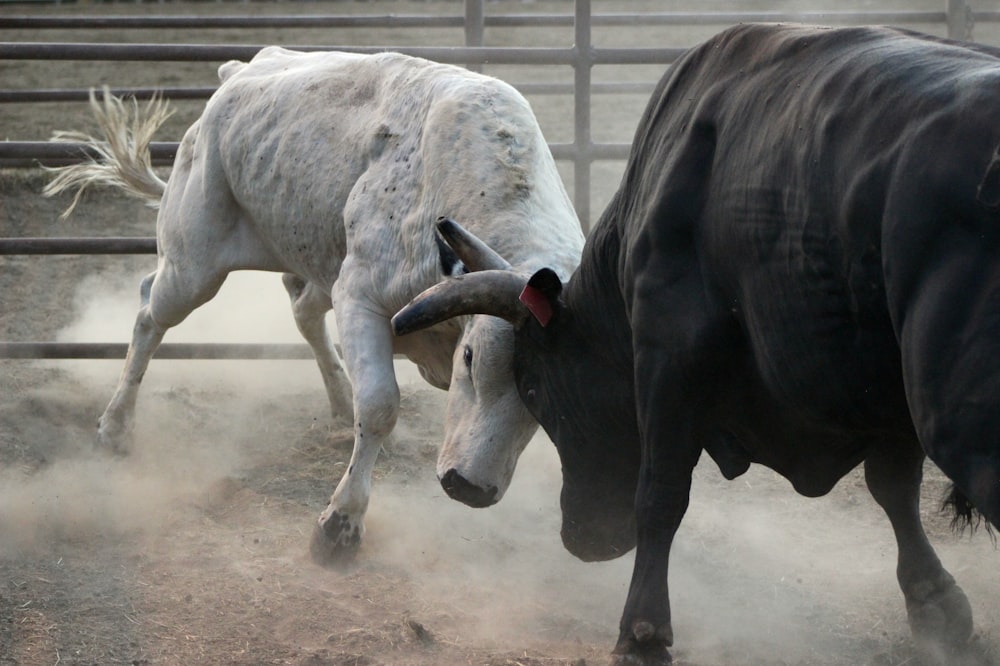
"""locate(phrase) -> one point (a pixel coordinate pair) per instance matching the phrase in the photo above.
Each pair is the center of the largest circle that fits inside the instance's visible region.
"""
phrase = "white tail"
(123, 151)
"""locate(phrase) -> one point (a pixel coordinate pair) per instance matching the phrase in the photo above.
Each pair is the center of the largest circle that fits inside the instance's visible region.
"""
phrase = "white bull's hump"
(473, 156)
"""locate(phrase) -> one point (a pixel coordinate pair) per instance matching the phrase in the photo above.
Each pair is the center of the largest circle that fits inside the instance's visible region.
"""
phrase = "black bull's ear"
(541, 295)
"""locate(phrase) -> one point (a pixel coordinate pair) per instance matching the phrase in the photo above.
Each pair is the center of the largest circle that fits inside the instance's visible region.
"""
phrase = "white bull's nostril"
(458, 488)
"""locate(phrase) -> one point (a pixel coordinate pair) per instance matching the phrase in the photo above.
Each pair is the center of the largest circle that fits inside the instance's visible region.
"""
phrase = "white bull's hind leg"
(310, 305)
(167, 297)
(114, 428)
(366, 339)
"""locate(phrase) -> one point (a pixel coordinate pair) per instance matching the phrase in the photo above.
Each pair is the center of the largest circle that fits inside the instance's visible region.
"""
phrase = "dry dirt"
(193, 550)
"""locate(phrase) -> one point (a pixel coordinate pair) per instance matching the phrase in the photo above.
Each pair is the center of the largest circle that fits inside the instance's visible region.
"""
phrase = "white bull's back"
(332, 154)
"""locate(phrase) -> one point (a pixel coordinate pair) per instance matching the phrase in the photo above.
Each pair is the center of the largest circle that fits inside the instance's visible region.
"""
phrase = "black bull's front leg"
(645, 630)
(668, 407)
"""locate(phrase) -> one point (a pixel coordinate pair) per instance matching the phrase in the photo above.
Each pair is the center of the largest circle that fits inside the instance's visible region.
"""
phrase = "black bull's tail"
(964, 513)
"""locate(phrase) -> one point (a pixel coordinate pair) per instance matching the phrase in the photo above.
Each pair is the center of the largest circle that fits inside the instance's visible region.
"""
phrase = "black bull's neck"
(576, 377)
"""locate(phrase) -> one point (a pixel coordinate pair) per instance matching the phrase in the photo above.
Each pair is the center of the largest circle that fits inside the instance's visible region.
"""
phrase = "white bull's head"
(486, 424)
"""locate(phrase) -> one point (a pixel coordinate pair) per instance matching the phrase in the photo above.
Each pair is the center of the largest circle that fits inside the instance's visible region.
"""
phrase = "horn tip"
(446, 224)
(405, 321)
(398, 325)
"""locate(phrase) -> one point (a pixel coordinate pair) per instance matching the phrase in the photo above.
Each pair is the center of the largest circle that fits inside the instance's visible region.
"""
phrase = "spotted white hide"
(333, 168)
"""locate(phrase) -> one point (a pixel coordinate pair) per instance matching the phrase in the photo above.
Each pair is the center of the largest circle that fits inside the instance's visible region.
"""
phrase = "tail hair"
(965, 515)
(123, 158)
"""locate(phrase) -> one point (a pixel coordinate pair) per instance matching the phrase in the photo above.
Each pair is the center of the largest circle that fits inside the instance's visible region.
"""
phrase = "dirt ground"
(193, 550)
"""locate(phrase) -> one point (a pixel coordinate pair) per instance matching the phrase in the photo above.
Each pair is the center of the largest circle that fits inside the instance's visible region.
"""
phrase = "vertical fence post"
(474, 28)
(959, 20)
(581, 94)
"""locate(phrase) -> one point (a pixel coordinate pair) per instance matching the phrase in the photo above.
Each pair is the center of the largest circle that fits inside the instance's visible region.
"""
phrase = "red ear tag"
(537, 303)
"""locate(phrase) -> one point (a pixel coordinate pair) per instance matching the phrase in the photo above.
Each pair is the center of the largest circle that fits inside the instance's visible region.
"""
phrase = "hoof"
(631, 659)
(644, 647)
(940, 619)
(112, 440)
(335, 542)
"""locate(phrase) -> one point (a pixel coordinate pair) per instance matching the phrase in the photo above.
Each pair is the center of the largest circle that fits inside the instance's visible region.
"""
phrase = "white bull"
(332, 168)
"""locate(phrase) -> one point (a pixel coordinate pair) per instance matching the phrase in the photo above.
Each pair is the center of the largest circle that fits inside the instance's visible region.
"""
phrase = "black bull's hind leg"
(939, 613)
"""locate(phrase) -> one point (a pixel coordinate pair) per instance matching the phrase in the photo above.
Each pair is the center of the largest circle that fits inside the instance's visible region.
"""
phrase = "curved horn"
(490, 292)
(474, 253)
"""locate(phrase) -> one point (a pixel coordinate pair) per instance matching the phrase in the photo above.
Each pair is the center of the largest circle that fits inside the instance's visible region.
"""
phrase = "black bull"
(801, 268)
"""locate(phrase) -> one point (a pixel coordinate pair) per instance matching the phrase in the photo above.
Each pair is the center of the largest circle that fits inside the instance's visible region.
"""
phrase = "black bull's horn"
(492, 292)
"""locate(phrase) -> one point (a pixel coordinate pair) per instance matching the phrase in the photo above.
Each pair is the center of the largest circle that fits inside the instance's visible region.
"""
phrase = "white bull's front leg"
(366, 340)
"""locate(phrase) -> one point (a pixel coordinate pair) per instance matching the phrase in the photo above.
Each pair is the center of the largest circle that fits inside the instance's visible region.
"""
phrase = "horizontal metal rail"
(21, 154)
(222, 52)
(732, 18)
(79, 245)
(499, 55)
(83, 94)
(594, 151)
(204, 92)
(176, 350)
(214, 22)
(427, 21)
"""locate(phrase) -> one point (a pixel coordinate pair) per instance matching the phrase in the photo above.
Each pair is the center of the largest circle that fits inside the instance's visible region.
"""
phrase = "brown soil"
(193, 550)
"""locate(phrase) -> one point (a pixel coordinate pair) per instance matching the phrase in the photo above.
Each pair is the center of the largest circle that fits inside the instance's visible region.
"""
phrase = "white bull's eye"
(467, 356)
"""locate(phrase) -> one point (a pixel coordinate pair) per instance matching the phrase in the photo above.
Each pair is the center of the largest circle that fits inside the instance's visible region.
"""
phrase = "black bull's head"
(597, 449)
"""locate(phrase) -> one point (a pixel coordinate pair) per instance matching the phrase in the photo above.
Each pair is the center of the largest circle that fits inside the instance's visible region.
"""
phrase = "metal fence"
(582, 56)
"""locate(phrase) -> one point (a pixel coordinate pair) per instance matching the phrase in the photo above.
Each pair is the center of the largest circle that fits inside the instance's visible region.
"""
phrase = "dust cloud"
(758, 574)
(83, 491)
(79, 498)
(505, 566)
(748, 582)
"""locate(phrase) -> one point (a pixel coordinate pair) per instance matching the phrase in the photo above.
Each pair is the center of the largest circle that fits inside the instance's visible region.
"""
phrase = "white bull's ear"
(490, 292)
(474, 253)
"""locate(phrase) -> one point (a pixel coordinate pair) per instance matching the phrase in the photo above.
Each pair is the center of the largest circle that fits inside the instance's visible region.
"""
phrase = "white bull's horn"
(474, 253)
(492, 292)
